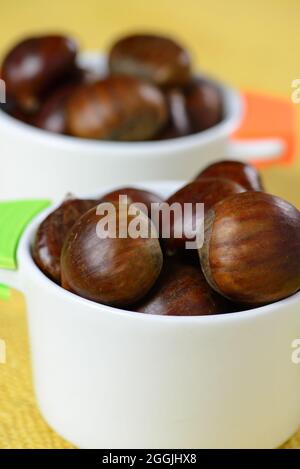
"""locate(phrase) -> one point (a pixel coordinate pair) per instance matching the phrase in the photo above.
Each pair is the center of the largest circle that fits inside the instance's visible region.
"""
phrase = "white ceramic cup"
(35, 162)
(108, 378)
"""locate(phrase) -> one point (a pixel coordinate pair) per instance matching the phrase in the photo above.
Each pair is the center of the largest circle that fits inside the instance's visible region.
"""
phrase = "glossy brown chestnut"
(207, 191)
(251, 252)
(204, 105)
(178, 124)
(117, 271)
(52, 115)
(242, 173)
(153, 58)
(134, 196)
(34, 65)
(117, 108)
(182, 290)
(9, 105)
(46, 249)
(12, 109)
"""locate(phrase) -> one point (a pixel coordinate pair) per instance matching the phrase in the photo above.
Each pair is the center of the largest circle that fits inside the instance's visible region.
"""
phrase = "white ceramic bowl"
(35, 162)
(108, 378)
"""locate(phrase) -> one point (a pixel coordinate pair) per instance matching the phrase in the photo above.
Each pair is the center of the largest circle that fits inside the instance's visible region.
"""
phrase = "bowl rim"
(234, 109)
(26, 262)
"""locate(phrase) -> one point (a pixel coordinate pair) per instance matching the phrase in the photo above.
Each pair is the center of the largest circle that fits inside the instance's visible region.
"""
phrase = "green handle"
(14, 217)
(4, 292)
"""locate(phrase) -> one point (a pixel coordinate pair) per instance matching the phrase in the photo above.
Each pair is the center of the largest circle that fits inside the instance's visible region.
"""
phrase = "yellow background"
(251, 44)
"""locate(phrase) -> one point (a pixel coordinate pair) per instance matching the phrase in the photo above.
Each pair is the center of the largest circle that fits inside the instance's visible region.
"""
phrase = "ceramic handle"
(248, 150)
(11, 278)
(267, 132)
(14, 217)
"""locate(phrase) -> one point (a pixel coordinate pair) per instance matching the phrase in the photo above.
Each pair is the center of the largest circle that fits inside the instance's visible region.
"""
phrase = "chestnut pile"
(148, 93)
(250, 255)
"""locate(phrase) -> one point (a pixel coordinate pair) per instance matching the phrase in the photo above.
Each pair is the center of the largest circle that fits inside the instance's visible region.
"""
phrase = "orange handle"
(268, 117)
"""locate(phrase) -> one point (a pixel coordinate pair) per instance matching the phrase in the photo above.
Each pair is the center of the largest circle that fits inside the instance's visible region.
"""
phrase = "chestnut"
(157, 59)
(178, 123)
(115, 269)
(207, 191)
(242, 173)
(116, 108)
(46, 249)
(182, 290)
(138, 196)
(34, 65)
(204, 104)
(251, 252)
(9, 105)
(11, 109)
(52, 114)
(134, 196)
